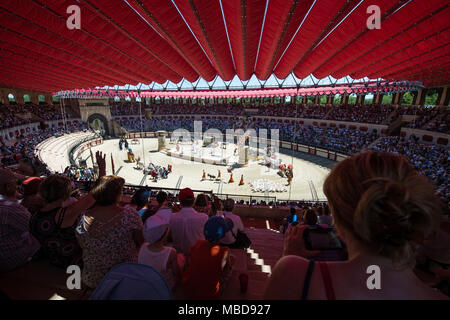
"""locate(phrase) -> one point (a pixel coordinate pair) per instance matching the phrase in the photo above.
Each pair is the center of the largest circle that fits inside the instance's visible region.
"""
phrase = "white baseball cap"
(155, 226)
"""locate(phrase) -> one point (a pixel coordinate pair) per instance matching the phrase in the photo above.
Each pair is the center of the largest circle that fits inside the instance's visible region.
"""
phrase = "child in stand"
(210, 264)
(154, 253)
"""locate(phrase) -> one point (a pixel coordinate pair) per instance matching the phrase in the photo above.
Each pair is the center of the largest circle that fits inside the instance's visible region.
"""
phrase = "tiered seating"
(55, 151)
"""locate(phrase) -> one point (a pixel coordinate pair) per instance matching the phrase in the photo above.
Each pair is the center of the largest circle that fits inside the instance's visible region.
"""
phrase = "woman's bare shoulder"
(287, 278)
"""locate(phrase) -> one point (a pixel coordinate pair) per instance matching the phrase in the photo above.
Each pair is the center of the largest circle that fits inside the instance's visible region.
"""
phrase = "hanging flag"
(112, 164)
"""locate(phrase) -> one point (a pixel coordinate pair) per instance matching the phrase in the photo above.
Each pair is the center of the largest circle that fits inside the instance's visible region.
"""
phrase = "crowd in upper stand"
(362, 114)
(432, 119)
(229, 108)
(10, 115)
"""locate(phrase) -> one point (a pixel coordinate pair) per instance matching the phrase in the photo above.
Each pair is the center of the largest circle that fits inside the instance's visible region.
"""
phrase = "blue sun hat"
(215, 228)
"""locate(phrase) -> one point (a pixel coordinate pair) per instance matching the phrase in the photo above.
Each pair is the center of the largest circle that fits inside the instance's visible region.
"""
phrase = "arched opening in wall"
(407, 99)
(98, 123)
(127, 99)
(323, 99)
(368, 99)
(431, 97)
(288, 99)
(138, 99)
(387, 98)
(337, 99)
(26, 98)
(352, 98)
(116, 99)
(310, 99)
(55, 99)
(11, 98)
(41, 99)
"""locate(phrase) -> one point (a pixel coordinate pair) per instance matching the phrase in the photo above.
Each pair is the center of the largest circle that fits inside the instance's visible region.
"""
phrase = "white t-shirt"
(237, 225)
(186, 227)
(158, 260)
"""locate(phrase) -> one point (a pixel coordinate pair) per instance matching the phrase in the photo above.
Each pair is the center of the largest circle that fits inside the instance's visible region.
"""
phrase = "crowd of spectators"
(13, 115)
(431, 160)
(21, 150)
(128, 108)
(9, 118)
(343, 140)
(189, 240)
(226, 109)
(427, 118)
(362, 114)
(312, 111)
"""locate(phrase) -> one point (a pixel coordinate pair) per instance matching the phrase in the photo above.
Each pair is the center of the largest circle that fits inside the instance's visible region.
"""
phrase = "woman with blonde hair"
(382, 209)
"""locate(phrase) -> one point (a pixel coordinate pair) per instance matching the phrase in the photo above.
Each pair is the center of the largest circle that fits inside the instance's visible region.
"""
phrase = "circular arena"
(224, 150)
(189, 173)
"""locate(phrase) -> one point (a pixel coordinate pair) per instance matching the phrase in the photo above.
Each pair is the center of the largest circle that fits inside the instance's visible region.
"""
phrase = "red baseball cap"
(186, 194)
(31, 185)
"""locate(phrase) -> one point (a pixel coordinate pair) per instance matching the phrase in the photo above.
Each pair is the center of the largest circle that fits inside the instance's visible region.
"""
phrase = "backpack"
(132, 281)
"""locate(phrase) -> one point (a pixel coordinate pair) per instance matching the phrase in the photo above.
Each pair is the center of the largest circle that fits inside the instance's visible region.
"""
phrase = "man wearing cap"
(17, 245)
(187, 225)
(31, 199)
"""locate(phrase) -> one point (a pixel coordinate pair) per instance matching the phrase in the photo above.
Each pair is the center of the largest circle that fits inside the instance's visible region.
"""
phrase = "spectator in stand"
(290, 218)
(162, 200)
(202, 204)
(310, 218)
(155, 253)
(31, 198)
(54, 224)
(164, 207)
(326, 218)
(216, 207)
(17, 245)
(382, 210)
(108, 234)
(140, 200)
(230, 236)
(210, 264)
(187, 225)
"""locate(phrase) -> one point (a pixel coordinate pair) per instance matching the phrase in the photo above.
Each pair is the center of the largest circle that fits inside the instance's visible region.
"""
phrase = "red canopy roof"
(141, 41)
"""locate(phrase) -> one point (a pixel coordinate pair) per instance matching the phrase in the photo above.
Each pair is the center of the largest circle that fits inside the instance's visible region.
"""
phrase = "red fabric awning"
(145, 41)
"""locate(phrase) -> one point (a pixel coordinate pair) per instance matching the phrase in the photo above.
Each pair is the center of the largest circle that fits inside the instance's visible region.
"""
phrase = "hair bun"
(383, 214)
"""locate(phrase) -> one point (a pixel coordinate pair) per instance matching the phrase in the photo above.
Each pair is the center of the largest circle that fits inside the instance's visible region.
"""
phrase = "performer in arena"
(120, 143)
(126, 143)
(130, 155)
(289, 174)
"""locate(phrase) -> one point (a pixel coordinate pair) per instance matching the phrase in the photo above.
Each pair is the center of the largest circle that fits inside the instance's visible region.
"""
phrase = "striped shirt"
(17, 245)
